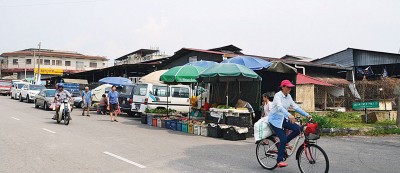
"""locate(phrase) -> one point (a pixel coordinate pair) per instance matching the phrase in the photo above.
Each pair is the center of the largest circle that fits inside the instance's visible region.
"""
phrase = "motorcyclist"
(61, 94)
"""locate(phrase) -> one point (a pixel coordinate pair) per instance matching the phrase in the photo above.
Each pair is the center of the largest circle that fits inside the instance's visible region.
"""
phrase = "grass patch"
(347, 120)
(378, 132)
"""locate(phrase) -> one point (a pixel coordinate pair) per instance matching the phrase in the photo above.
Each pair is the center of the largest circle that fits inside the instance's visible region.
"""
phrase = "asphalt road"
(31, 142)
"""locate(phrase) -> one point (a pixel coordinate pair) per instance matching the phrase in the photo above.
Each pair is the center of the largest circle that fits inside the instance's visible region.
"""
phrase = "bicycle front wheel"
(266, 153)
(312, 159)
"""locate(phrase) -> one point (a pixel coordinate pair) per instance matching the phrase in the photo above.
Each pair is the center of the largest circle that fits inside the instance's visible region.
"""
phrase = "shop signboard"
(365, 105)
(52, 71)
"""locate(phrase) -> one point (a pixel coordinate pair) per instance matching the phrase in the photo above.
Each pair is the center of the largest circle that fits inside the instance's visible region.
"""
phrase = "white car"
(29, 91)
(155, 96)
(16, 89)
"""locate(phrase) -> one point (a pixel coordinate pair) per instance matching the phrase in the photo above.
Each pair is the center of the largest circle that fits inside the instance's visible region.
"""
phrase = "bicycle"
(308, 155)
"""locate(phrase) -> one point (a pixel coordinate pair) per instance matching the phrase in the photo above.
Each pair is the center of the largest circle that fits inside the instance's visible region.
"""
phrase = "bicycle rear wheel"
(312, 159)
(266, 153)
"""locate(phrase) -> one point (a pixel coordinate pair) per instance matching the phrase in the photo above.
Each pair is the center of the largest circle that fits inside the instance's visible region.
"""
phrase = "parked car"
(29, 91)
(155, 96)
(77, 99)
(44, 98)
(5, 88)
(126, 99)
(16, 89)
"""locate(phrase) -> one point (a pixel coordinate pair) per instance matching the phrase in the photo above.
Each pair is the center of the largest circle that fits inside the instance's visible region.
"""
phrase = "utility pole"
(38, 78)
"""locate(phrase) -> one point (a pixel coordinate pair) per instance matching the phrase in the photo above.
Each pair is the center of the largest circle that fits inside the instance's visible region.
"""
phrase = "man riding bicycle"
(61, 94)
(280, 119)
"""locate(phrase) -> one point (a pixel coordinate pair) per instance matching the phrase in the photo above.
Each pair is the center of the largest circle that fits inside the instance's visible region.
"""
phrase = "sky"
(273, 28)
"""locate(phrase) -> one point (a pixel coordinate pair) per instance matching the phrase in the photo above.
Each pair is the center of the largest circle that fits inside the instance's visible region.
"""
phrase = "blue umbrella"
(250, 62)
(119, 81)
(204, 64)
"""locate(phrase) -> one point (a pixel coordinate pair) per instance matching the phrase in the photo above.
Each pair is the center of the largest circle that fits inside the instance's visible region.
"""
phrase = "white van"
(153, 96)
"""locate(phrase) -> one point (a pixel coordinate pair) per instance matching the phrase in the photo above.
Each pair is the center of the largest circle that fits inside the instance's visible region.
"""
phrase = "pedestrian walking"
(113, 103)
(87, 101)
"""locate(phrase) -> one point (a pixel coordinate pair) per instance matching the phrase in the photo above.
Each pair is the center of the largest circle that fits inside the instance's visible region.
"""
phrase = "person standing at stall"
(267, 104)
(280, 118)
(113, 103)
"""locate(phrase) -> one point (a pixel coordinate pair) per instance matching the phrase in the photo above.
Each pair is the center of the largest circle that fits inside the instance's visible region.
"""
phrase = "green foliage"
(159, 111)
(344, 115)
(324, 121)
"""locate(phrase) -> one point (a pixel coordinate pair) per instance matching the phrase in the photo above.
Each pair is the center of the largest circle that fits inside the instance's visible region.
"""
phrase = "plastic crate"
(149, 120)
(168, 124)
(154, 122)
(215, 120)
(143, 119)
(243, 120)
(184, 127)
(173, 125)
(179, 126)
(163, 124)
(232, 135)
(214, 131)
(190, 128)
(159, 123)
(204, 130)
(197, 129)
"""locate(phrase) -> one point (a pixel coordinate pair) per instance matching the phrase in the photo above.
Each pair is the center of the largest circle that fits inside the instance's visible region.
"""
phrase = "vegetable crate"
(143, 119)
(231, 134)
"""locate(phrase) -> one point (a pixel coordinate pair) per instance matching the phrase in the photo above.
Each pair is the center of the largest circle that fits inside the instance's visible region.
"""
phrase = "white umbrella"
(153, 77)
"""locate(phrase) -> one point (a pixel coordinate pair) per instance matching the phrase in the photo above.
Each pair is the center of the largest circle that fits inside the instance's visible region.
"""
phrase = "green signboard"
(364, 105)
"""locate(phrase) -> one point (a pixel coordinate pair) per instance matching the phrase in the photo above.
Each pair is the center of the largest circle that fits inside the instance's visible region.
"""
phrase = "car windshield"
(140, 90)
(20, 85)
(36, 87)
(127, 89)
(75, 94)
(50, 93)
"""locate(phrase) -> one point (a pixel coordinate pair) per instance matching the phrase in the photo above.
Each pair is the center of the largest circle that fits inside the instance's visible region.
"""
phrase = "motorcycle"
(64, 112)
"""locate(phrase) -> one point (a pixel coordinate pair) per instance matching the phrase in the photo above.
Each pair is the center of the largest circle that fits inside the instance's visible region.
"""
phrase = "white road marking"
(125, 160)
(48, 130)
(15, 118)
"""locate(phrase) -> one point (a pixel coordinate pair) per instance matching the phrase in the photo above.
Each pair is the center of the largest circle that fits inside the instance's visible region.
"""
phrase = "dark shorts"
(113, 107)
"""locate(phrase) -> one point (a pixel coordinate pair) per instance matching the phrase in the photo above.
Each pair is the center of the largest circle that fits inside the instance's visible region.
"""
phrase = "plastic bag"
(52, 106)
(262, 129)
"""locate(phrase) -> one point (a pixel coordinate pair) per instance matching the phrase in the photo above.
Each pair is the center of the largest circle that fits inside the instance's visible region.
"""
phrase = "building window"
(53, 62)
(104, 64)
(93, 64)
(15, 61)
(192, 58)
(58, 62)
(46, 62)
(41, 61)
(80, 65)
(67, 63)
(28, 61)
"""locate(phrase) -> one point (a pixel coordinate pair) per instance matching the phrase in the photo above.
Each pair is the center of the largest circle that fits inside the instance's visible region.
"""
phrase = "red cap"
(287, 83)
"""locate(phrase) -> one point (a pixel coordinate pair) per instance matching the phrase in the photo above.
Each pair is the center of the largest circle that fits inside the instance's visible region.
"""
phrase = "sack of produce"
(262, 129)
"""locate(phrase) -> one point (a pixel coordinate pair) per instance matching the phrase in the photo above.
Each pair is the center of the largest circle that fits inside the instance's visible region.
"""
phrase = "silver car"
(45, 98)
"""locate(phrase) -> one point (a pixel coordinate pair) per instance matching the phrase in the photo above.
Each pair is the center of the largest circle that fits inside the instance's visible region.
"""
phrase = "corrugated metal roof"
(304, 79)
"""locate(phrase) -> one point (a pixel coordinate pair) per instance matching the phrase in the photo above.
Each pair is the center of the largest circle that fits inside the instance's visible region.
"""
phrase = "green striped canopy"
(182, 74)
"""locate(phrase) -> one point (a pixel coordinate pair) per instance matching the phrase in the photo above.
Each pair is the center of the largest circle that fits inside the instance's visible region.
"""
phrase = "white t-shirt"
(267, 109)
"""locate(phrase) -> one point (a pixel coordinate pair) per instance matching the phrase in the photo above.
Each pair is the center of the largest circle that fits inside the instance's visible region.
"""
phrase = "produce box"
(174, 125)
(232, 135)
(143, 119)
(184, 127)
(149, 120)
(168, 124)
(214, 131)
(163, 123)
(154, 120)
(158, 122)
(190, 128)
(243, 120)
(197, 129)
(204, 130)
(179, 126)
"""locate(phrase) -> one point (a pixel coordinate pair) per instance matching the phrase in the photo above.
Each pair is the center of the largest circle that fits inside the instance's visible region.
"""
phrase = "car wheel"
(82, 105)
(27, 99)
(45, 106)
(36, 105)
(20, 98)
